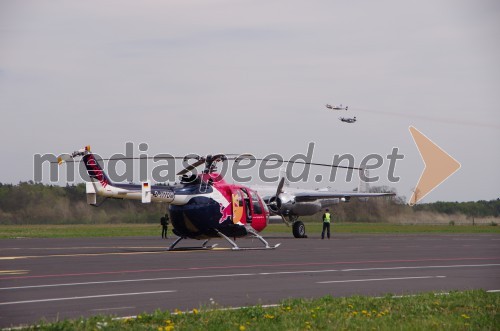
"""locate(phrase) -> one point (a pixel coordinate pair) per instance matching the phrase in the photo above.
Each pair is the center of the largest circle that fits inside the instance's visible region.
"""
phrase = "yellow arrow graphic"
(439, 165)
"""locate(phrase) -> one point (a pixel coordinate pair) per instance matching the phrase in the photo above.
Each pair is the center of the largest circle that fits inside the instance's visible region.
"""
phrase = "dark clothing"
(164, 226)
(326, 226)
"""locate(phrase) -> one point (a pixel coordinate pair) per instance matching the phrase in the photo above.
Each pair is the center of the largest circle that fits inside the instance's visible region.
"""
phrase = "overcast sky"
(254, 76)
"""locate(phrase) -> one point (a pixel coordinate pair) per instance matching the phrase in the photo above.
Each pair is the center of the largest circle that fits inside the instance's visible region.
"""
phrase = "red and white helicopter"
(339, 107)
(204, 206)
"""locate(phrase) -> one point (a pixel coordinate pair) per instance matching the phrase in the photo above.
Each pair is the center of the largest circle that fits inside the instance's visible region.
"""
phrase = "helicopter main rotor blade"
(65, 158)
(280, 186)
(191, 167)
(202, 159)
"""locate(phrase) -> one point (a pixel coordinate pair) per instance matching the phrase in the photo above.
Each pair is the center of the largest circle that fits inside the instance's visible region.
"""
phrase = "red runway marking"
(248, 266)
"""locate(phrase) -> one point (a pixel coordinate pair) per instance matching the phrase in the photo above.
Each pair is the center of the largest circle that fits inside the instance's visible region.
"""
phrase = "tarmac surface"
(51, 279)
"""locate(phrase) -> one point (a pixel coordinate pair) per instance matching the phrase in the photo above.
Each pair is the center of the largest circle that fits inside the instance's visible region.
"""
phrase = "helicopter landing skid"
(253, 233)
(234, 247)
(255, 248)
(202, 248)
(192, 248)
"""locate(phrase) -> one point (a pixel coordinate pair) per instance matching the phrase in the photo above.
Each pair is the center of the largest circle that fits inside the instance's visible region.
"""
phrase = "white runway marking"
(125, 281)
(295, 272)
(114, 308)
(84, 297)
(410, 295)
(218, 309)
(377, 279)
(427, 267)
(248, 275)
(78, 255)
(83, 247)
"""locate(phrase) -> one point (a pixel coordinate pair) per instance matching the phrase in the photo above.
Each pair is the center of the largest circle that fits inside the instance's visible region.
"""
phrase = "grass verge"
(388, 228)
(469, 310)
(126, 230)
(79, 230)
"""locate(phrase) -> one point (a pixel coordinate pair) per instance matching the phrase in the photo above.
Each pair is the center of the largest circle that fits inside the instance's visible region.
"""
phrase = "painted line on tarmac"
(13, 272)
(126, 281)
(377, 279)
(112, 308)
(190, 311)
(245, 266)
(410, 295)
(77, 255)
(426, 267)
(84, 297)
(161, 250)
(81, 247)
(241, 275)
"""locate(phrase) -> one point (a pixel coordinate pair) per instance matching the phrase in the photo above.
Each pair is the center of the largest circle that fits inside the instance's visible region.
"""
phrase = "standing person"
(326, 224)
(164, 226)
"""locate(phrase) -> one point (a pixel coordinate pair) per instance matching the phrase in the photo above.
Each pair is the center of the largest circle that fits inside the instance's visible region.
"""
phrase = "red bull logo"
(94, 170)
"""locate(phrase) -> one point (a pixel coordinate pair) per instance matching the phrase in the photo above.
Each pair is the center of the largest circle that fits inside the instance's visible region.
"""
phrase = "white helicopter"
(339, 107)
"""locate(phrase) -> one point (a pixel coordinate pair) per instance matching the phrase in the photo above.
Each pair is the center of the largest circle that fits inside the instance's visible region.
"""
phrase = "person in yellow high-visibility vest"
(327, 217)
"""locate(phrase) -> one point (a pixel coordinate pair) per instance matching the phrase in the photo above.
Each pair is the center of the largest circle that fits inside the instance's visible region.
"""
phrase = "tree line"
(481, 208)
(35, 203)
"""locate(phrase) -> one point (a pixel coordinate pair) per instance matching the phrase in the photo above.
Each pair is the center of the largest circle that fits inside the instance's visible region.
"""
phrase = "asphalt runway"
(67, 278)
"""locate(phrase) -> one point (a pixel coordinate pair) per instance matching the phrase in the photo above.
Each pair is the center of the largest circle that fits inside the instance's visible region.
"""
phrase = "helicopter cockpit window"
(257, 209)
(246, 198)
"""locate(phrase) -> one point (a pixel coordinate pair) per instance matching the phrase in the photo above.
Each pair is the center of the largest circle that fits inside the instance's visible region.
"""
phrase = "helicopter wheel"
(299, 229)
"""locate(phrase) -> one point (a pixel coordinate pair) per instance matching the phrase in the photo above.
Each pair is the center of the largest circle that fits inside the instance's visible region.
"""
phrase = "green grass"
(470, 310)
(79, 230)
(124, 230)
(389, 228)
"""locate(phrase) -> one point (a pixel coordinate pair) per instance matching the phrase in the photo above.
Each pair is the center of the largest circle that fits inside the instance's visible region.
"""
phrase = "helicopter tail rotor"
(69, 157)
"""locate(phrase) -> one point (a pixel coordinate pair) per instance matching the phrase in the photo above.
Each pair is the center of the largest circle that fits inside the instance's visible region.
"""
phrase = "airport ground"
(313, 229)
(58, 278)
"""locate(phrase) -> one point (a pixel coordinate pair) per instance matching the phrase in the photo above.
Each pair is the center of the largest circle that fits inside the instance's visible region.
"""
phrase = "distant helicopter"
(339, 107)
(347, 119)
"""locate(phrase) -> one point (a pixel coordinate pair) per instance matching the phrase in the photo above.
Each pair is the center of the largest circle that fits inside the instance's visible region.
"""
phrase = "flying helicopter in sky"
(348, 120)
(339, 107)
(204, 206)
